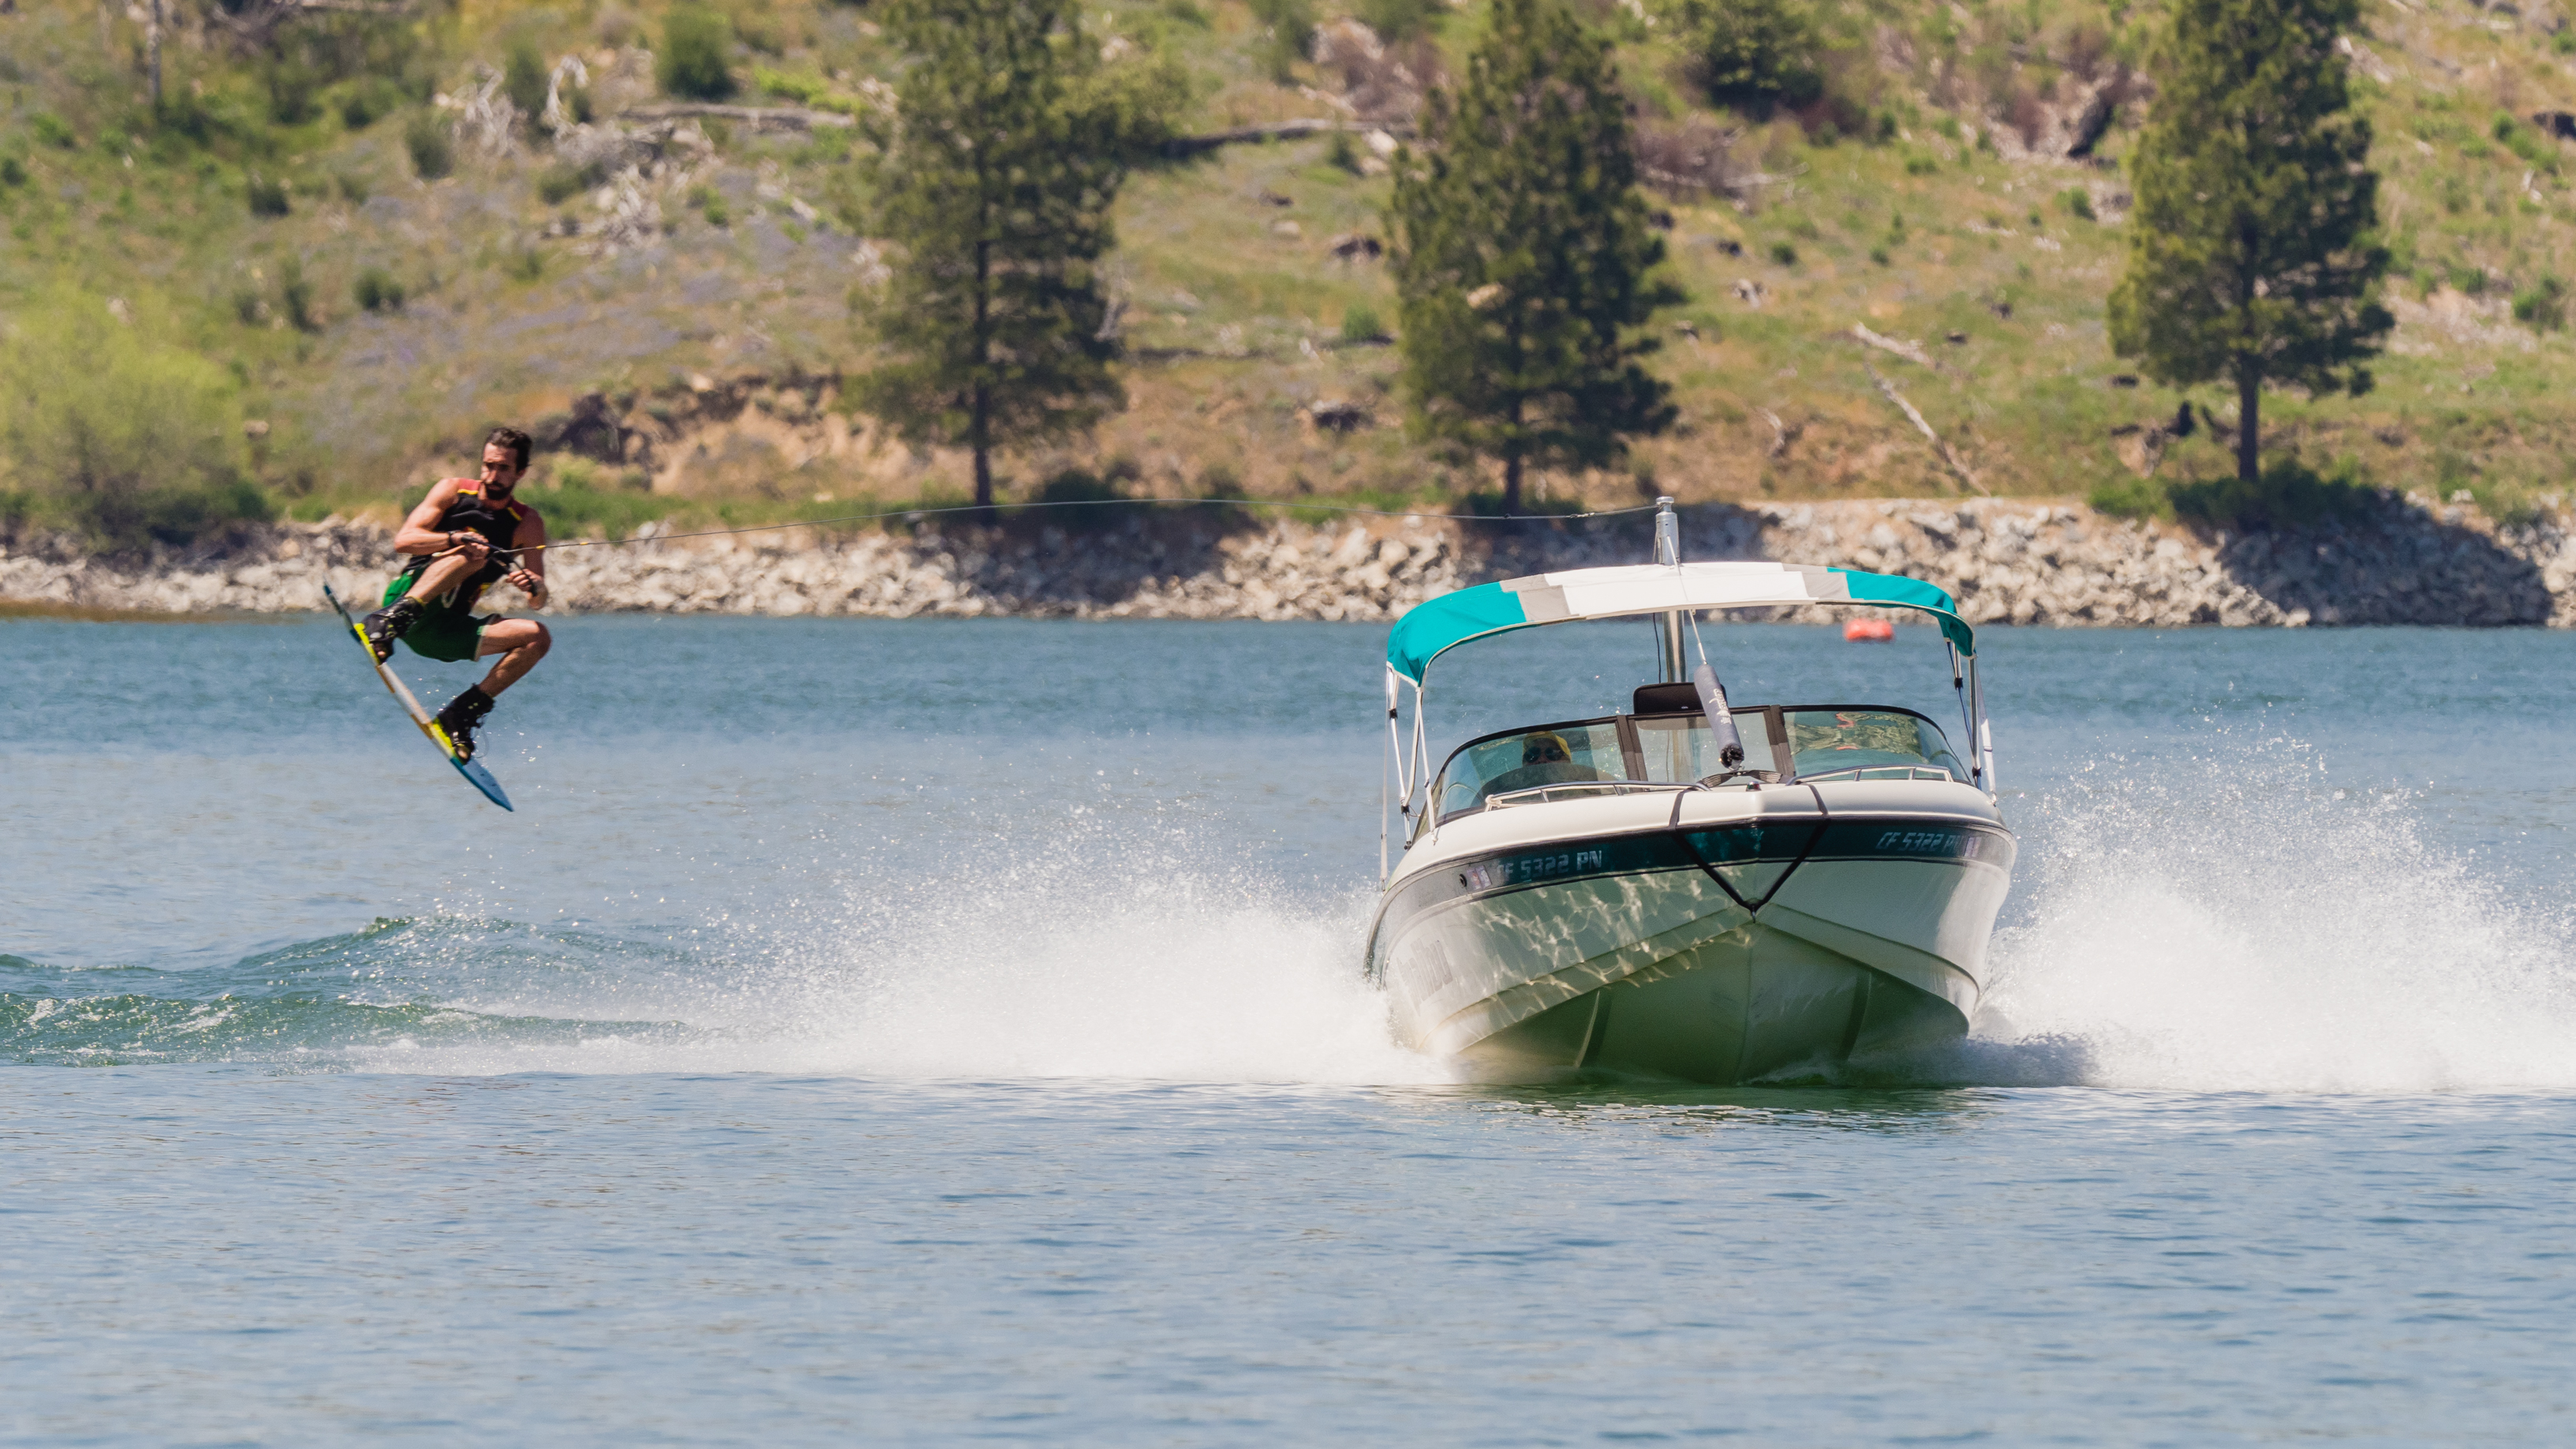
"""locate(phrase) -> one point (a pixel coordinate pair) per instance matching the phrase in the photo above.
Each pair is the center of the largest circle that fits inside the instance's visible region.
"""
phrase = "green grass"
(1235, 325)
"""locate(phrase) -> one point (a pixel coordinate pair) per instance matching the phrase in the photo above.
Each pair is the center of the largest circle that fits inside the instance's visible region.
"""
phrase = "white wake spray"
(2226, 923)
(2240, 923)
(1097, 955)
(1062, 948)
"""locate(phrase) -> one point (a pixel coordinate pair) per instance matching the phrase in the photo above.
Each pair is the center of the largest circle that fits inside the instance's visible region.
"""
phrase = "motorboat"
(1695, 889)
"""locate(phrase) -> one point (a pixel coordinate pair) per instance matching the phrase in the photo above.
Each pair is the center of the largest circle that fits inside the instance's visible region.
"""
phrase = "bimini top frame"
(1439, 625)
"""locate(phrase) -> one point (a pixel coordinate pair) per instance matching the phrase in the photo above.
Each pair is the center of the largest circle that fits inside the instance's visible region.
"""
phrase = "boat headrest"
(1666, 699)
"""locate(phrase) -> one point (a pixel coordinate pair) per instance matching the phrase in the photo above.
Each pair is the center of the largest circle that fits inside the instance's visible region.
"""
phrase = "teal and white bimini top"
(1436, 626)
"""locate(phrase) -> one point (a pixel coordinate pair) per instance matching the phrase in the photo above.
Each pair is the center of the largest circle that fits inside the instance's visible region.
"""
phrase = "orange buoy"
(1874, 631)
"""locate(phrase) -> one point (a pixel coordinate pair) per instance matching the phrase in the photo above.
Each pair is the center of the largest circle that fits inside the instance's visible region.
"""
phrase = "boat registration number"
(1485, 875)
(1954, 844)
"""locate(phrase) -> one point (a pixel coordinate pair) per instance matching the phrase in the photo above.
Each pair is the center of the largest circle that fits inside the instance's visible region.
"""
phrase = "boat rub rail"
(1501, 872)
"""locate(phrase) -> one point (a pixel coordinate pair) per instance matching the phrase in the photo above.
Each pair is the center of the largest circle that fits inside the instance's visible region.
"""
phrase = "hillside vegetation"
(348, 239)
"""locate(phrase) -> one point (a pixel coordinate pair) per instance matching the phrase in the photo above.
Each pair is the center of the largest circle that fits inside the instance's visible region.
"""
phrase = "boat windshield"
(1868, 744)
(1680, 748)
(1643, 751)
(1564, 754)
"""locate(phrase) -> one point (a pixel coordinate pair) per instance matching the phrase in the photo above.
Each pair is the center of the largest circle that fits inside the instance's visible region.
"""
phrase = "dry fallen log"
(1276, 131)
(759, 118)
(1948, 455)
(1910, 351)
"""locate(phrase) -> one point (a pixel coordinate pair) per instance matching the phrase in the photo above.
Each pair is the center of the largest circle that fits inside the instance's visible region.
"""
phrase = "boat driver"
(1546, 759)
(1546, 747)
(460, 540)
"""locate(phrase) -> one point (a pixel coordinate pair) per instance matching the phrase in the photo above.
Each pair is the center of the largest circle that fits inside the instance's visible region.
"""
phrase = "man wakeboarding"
(467, 535)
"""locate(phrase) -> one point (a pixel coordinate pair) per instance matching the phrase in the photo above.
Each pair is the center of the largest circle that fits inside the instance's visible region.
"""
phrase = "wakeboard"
(475, 775)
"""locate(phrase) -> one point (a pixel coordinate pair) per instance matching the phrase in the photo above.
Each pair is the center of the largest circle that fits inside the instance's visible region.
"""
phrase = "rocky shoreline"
(2405, 561)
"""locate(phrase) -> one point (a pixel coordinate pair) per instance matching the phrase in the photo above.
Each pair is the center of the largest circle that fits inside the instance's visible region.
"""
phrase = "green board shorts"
(444, 632)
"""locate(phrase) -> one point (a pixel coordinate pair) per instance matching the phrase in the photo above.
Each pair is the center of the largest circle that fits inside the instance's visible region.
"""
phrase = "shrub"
(2542, 305)
(527, 264)
(2131, 498)
(2528, 144)
(1136, 106)
(1920, 164)
(296, 294)
(1880, 256)
(1291, 27)
(248, 305)
(13, 172)
(267, 198)
(1753, 55)
(377, 291)
(116, 435)
(705, 199)
(361, 105)
(523, 80)
(291, 89)
(51, 130)
(2078, 202)
(1400, 19)
(804, 90)
(433, 151)
(1784, 254)
(2452, 469)
(696, 56)
(353, 189)
(563, 180)
(1360, 325)
(1341, 154)
(2288, 494)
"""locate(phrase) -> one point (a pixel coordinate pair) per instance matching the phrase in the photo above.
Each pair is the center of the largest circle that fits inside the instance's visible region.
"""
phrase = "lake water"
(950, 1031)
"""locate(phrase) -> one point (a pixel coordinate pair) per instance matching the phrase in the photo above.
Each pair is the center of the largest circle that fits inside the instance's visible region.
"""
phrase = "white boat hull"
(1726, 937)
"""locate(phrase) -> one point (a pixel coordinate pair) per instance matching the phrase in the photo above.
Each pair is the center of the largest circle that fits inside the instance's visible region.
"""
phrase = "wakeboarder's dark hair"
(514, 440)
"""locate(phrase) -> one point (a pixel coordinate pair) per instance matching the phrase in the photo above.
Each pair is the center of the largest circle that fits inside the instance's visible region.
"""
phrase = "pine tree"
(995, 187)
(1524, 259)
(1751, 54)
(2251, 255)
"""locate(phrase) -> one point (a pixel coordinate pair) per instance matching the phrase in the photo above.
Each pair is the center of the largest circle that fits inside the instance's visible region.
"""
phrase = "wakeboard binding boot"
(462, 716)
(388, 624)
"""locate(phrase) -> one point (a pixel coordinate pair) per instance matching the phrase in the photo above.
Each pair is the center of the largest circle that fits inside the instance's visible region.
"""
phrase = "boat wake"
(2243, 925)
(1082, 958)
